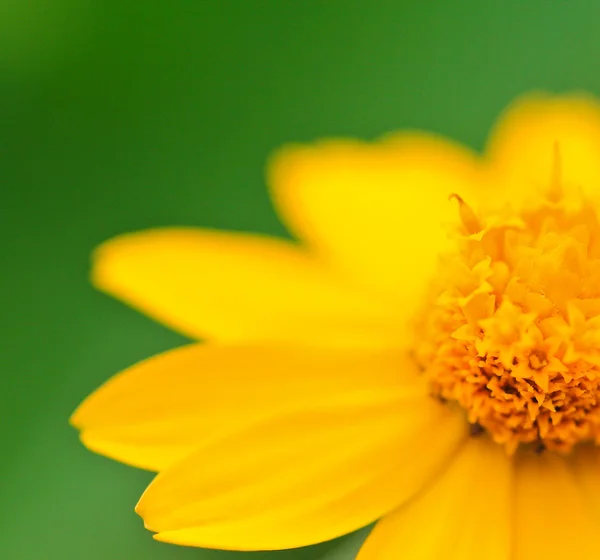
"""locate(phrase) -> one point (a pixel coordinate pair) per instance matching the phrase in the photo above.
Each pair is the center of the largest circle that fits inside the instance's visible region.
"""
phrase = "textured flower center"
(511, 328)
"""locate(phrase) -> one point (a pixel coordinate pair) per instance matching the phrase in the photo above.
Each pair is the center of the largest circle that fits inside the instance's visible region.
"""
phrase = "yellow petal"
(304, 477)
(230, 287)
(376, 210)
(585, 464)
(552, 515)
(522, 146)
(159, 410)
(464, 515)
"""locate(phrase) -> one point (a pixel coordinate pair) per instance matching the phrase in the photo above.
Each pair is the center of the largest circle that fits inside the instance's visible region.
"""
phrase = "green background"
(117, 115)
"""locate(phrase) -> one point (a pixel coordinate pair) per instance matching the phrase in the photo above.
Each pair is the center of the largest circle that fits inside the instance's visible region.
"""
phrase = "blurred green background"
(117, 115)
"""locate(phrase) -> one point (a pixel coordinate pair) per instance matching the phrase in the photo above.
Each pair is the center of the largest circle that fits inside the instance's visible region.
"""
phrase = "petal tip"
(140, 508)
(117, 251)
(293, 157)
(78, 419)
(144, 509)
(102, 260)
(75, 419)
(577, 105)
(166, 537)
(521, 145)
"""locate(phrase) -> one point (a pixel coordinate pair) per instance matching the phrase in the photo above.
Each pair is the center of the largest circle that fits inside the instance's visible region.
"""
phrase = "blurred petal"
(585, 464)
(230, 287)
(464, 515)
(377, 210)
(159, 410)
(522, 146)
(304, 477)
(552, 515)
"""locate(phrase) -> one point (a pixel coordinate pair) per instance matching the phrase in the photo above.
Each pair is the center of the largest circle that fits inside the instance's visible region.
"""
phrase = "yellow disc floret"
(511, 328)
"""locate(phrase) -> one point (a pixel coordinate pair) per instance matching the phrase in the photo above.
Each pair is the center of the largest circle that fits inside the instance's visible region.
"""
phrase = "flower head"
(428, 357)
(510, 331)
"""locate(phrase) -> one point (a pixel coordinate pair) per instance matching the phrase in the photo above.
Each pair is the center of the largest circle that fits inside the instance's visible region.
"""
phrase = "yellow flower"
(428, 356)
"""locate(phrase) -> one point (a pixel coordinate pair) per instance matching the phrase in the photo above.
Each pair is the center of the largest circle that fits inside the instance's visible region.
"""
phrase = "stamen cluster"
(511, 328)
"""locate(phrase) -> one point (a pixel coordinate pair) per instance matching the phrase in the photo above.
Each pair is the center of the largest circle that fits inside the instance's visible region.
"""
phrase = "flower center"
(511, 327)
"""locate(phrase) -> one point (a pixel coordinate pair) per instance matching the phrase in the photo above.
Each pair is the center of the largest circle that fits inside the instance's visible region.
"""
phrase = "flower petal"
(230, 286)
(585, 464)
(552, 515)
(376, 210)
(464, 515)
(304, 477)
(159, 410)
(522, 145)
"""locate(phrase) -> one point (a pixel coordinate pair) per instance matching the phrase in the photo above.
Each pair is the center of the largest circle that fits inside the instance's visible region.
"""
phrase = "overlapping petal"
(464, 515)
(304, 477)
(231, 287)
(553, 517)
(522, 146)
(270, 446)
(159, 410)
(585, 466)
(377, 210)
